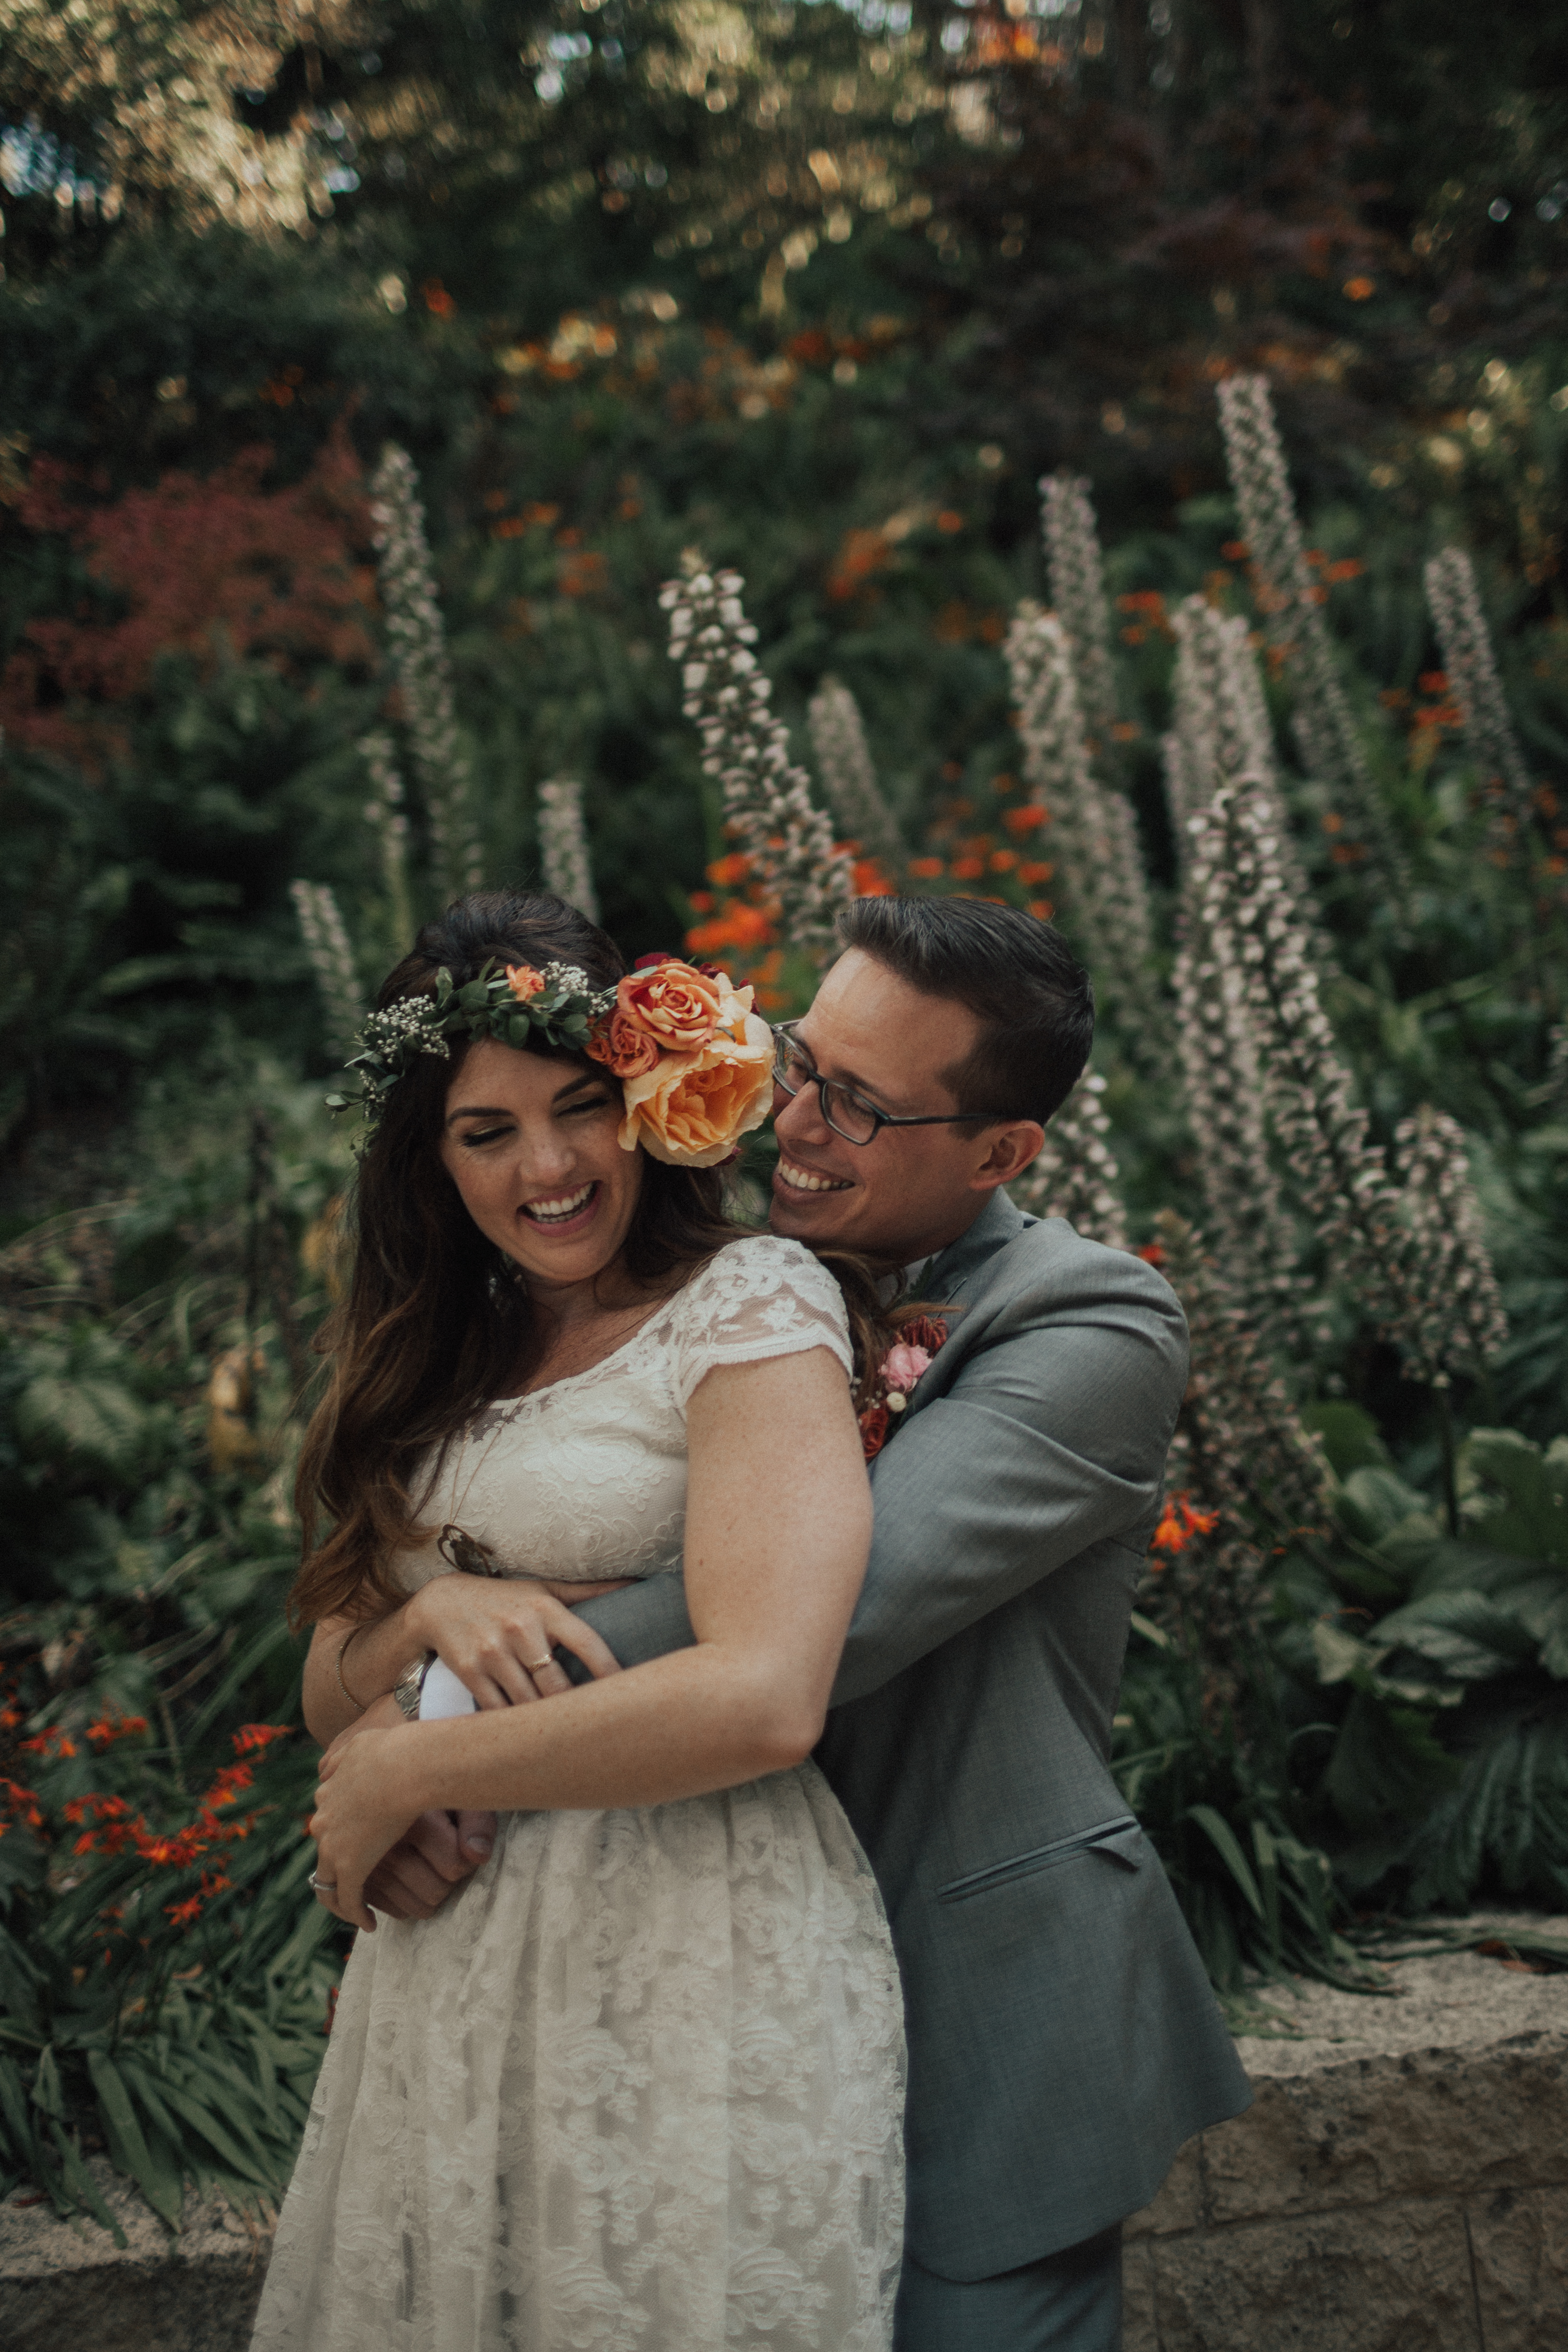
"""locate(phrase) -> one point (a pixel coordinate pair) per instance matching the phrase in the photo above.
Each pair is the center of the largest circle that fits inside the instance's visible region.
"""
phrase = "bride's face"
(530, 1144)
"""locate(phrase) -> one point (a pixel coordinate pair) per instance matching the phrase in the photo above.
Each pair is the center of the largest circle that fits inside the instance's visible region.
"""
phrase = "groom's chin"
(813, 1217)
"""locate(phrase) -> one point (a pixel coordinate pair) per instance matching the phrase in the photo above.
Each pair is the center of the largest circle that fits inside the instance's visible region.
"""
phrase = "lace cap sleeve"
(757, 1299)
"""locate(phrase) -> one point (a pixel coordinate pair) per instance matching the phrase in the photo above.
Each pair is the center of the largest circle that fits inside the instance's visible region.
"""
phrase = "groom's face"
(911, 1190)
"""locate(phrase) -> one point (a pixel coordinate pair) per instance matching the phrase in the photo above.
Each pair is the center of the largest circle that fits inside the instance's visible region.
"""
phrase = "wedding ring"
(538, 1665)
(322, 1885)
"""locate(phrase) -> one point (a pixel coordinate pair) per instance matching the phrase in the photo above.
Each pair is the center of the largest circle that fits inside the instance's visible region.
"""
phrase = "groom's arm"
(1052, 1435)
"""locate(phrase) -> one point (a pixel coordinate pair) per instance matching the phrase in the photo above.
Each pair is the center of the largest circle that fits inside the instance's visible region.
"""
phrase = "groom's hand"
(415, 1877)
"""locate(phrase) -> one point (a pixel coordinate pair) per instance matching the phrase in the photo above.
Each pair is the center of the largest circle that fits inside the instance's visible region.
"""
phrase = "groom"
(1063, 2041)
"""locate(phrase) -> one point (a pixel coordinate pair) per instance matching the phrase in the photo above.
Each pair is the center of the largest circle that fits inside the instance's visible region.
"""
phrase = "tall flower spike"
(1247, 1451)
(1222, 730)
(1078, 594)
(1221, 717)
(1222, 1073)
(1455, 1321)
(333, 962)
(1292, 598)
(1475, 686)
(563, 846)
(849, 778)
(386, 814)
(424, 673)
(767, 802)
(1076, 1175)
(1099, 880)
(1342, 1181)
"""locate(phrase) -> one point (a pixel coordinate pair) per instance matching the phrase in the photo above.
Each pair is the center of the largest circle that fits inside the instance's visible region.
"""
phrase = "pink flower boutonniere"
(903, 1365)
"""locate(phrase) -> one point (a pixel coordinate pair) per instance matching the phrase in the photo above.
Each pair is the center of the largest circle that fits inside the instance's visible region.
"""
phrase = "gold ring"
(538, 1665)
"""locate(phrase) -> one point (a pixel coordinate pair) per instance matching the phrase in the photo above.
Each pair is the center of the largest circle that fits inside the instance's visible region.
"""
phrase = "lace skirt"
(637, 2087)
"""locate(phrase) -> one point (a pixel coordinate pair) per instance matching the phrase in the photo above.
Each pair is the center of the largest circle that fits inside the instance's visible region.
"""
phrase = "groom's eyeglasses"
(846, 1112)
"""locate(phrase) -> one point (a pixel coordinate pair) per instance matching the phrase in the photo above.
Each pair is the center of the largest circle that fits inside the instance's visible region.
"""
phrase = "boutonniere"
(918, 1340)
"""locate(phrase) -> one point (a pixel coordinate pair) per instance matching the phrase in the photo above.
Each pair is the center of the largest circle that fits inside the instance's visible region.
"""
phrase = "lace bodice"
(588, 1477)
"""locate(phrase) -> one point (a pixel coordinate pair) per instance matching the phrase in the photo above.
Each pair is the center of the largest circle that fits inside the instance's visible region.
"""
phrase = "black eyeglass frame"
(784, 1040)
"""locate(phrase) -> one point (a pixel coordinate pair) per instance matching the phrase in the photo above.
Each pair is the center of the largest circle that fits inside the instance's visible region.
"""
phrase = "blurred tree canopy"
(790, 280)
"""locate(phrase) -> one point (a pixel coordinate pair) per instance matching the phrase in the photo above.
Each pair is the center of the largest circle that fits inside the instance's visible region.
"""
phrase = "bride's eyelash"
(476, 1134)
(600, 1102)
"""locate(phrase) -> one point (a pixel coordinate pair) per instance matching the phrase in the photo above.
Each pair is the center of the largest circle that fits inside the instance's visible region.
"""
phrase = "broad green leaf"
(1224, 1839)
(128, 2147)
(1350, 1436)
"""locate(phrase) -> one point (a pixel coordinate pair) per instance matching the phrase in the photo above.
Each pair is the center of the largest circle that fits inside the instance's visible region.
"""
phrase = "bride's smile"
(532, 1144)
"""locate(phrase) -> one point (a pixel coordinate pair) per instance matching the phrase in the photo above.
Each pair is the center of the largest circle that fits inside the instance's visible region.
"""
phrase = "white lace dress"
(638, 2087)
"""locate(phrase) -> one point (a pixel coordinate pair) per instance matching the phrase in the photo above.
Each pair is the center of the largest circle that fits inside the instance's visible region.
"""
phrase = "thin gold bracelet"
(357, 1703)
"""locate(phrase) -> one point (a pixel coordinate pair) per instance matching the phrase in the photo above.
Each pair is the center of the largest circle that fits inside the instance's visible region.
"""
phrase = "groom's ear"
(1009, 1150)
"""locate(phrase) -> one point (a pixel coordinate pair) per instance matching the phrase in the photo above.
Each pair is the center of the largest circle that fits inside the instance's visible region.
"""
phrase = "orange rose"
(673, 1003)
(627, 1051)
(524, 981)
(694, 1107)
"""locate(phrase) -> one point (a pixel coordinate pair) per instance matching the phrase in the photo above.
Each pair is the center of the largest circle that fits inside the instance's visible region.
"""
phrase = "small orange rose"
(524, 981)
(627, 1051)
(673, 1003)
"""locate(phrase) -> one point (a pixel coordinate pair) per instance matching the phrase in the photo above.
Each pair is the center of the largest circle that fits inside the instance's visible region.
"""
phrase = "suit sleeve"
(1052, 1437)
(647, 1620)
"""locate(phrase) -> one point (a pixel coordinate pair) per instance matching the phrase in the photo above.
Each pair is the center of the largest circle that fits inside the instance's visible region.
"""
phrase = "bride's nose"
(543, 1158)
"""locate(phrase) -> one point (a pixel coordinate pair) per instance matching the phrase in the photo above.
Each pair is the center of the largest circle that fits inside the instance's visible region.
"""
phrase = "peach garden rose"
(694, 1107)
(675, 1003)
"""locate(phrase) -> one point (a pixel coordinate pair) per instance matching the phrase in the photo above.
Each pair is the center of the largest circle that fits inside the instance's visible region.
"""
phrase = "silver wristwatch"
(411, 1682)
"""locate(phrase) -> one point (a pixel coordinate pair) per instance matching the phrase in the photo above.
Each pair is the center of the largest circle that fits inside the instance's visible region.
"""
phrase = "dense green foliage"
(830, 330)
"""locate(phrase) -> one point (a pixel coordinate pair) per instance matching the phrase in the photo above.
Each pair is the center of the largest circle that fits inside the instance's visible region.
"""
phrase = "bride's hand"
(497, 1633)
(359, 1816)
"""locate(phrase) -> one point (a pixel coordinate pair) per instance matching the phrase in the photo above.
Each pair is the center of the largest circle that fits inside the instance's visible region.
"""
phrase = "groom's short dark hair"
(1033, 999)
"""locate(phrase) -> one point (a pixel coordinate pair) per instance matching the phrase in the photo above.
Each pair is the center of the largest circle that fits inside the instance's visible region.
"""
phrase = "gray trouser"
(1069, 2301)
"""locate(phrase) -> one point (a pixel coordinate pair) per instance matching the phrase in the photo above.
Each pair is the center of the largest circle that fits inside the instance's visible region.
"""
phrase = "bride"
(637, 2086)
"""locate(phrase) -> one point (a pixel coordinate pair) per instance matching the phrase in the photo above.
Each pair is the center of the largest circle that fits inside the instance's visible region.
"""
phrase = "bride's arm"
(777, 1529)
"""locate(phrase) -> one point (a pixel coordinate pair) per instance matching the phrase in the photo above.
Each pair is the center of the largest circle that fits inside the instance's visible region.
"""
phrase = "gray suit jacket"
(1063, 2040)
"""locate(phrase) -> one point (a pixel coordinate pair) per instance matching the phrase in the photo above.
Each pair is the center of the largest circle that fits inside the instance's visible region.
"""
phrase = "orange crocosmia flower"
(869, 881)
(1026, 820)
(1179, 1522)
(728, 872)
(183, 1913)
(925, 869)
(524, 981)
(259, 1735)
(1036, 870)
(949, 520)
(968, 869)
(1002, 861)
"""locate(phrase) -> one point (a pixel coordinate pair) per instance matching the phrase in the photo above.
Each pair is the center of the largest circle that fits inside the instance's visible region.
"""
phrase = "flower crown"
(695, 1062)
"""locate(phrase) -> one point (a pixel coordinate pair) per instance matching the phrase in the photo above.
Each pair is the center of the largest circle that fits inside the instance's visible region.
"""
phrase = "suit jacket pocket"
(1120, 1840)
